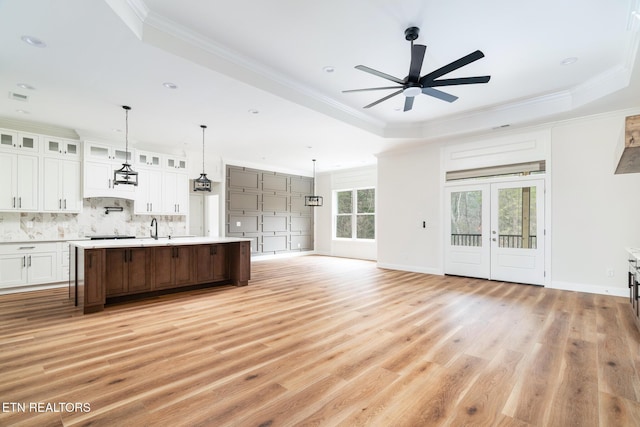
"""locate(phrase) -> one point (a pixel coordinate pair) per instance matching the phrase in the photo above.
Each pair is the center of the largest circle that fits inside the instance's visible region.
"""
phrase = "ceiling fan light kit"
(413, 84)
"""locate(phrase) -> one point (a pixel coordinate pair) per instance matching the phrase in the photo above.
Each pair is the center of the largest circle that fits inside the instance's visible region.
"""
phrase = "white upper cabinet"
(100, 162)
(19, 176)
(61, 185)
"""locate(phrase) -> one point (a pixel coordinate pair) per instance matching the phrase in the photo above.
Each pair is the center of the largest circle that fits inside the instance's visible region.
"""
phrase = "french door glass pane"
(517, 218)
(466, 218)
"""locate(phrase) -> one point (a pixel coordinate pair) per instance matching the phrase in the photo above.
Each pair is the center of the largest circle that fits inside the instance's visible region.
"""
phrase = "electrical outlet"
(238, 223)
(610, 272)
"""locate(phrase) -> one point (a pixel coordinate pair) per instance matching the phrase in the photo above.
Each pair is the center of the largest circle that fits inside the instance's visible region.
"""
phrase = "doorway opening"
(495, 229)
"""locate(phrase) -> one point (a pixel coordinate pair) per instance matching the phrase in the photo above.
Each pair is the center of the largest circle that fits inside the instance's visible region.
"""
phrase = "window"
(355, 216)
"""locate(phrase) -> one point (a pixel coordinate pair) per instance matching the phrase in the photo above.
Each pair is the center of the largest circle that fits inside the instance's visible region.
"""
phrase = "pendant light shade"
(202, 183)
(125, 175)
(313, 201)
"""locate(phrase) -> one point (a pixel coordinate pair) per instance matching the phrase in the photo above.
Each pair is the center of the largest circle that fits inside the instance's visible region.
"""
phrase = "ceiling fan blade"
(439, 94)
(371, 88)
(417, 56)
(465, 60)
(383, 99)
(458, 81)
(408, 103)
(379, 74)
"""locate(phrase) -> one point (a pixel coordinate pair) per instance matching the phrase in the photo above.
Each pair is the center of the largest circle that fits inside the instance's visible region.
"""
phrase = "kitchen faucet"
(154, 232)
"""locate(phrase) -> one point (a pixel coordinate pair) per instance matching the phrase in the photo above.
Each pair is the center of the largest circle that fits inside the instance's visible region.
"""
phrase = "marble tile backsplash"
(93, 220)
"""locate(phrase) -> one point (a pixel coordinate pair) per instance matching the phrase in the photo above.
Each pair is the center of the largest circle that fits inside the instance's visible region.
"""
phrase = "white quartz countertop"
(147, 242)
(634, 252)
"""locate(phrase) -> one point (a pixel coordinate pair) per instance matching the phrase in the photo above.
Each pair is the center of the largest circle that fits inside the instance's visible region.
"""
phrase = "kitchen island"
(103, 271)
(634, 283)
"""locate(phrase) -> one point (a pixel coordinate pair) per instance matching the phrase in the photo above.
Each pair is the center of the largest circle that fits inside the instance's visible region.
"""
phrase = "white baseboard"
(590, 289)
(283, 255)
(411, 268)
(29, 288)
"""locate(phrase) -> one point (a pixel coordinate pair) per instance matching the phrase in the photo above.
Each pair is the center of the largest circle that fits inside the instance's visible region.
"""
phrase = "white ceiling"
(228, 58)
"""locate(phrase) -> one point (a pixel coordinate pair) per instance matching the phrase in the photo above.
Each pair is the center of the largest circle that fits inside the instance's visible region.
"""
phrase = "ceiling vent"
(18, 97)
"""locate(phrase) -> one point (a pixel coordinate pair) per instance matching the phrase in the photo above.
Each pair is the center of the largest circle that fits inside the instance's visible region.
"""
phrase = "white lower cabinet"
(28, 264)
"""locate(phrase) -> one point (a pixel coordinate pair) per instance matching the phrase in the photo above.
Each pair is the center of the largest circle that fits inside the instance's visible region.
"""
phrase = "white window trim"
(353, 215)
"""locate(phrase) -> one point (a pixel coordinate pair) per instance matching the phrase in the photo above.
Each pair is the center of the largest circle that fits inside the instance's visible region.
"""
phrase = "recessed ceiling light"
(25, 86)
(33, 41)
(254, 111)
(569, 61)
(328, 69)
(170, 85)
(22, 111)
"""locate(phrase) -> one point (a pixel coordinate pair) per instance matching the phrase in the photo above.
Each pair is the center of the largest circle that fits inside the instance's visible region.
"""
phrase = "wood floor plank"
(326, 341)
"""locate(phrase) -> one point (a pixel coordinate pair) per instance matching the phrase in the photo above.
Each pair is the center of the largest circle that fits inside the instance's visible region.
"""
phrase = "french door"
(496, 231)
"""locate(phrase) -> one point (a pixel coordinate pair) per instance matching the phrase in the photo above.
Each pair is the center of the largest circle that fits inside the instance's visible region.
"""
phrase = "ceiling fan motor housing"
(411, 33)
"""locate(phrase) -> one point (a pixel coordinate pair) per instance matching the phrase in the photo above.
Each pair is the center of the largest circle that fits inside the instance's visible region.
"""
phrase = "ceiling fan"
(413, 85)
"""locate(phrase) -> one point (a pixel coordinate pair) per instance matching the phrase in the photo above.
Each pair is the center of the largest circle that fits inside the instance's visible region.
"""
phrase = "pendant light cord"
(126, 133)
(203, 128)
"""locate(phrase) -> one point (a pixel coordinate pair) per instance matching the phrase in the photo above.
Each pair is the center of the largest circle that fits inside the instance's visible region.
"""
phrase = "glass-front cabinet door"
(61, 147)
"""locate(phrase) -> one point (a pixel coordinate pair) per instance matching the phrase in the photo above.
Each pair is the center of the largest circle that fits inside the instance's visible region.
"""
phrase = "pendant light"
(125, 175)
(202, 183)
(313, 201)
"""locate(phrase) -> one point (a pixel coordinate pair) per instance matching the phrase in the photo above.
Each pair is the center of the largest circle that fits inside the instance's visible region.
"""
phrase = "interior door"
(517, 231)
(467, 247)
(496, 231)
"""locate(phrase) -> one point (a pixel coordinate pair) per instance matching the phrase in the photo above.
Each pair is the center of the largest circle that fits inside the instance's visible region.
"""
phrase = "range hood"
(630, 147)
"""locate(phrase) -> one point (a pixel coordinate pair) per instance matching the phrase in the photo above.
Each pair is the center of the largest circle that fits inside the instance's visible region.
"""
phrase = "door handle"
(59, 203)
(29, 262)
(19, 202)
(494, 239)
(24, 261)
(14, 202)
(65, 203)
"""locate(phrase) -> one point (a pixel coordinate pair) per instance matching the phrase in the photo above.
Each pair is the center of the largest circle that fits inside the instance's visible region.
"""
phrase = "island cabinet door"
(116, 273)
(212, 263)
(204, 263)
(173, 266)
(163, 267)
(138, 265)
(94, 271)
(127, 271)
(220, 263)
(183, 266)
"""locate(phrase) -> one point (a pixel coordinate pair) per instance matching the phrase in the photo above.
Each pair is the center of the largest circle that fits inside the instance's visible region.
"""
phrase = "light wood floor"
(317, 341)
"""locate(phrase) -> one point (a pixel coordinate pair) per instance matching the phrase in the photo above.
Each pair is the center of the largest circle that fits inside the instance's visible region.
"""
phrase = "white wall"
(410, 192)
(594, 213)
(325, 185)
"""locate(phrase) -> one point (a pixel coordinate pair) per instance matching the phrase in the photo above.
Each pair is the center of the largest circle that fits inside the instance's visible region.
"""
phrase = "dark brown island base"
(111, 270)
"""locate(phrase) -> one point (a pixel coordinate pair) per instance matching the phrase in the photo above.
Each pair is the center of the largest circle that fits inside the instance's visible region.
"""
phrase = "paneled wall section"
(268, 208)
